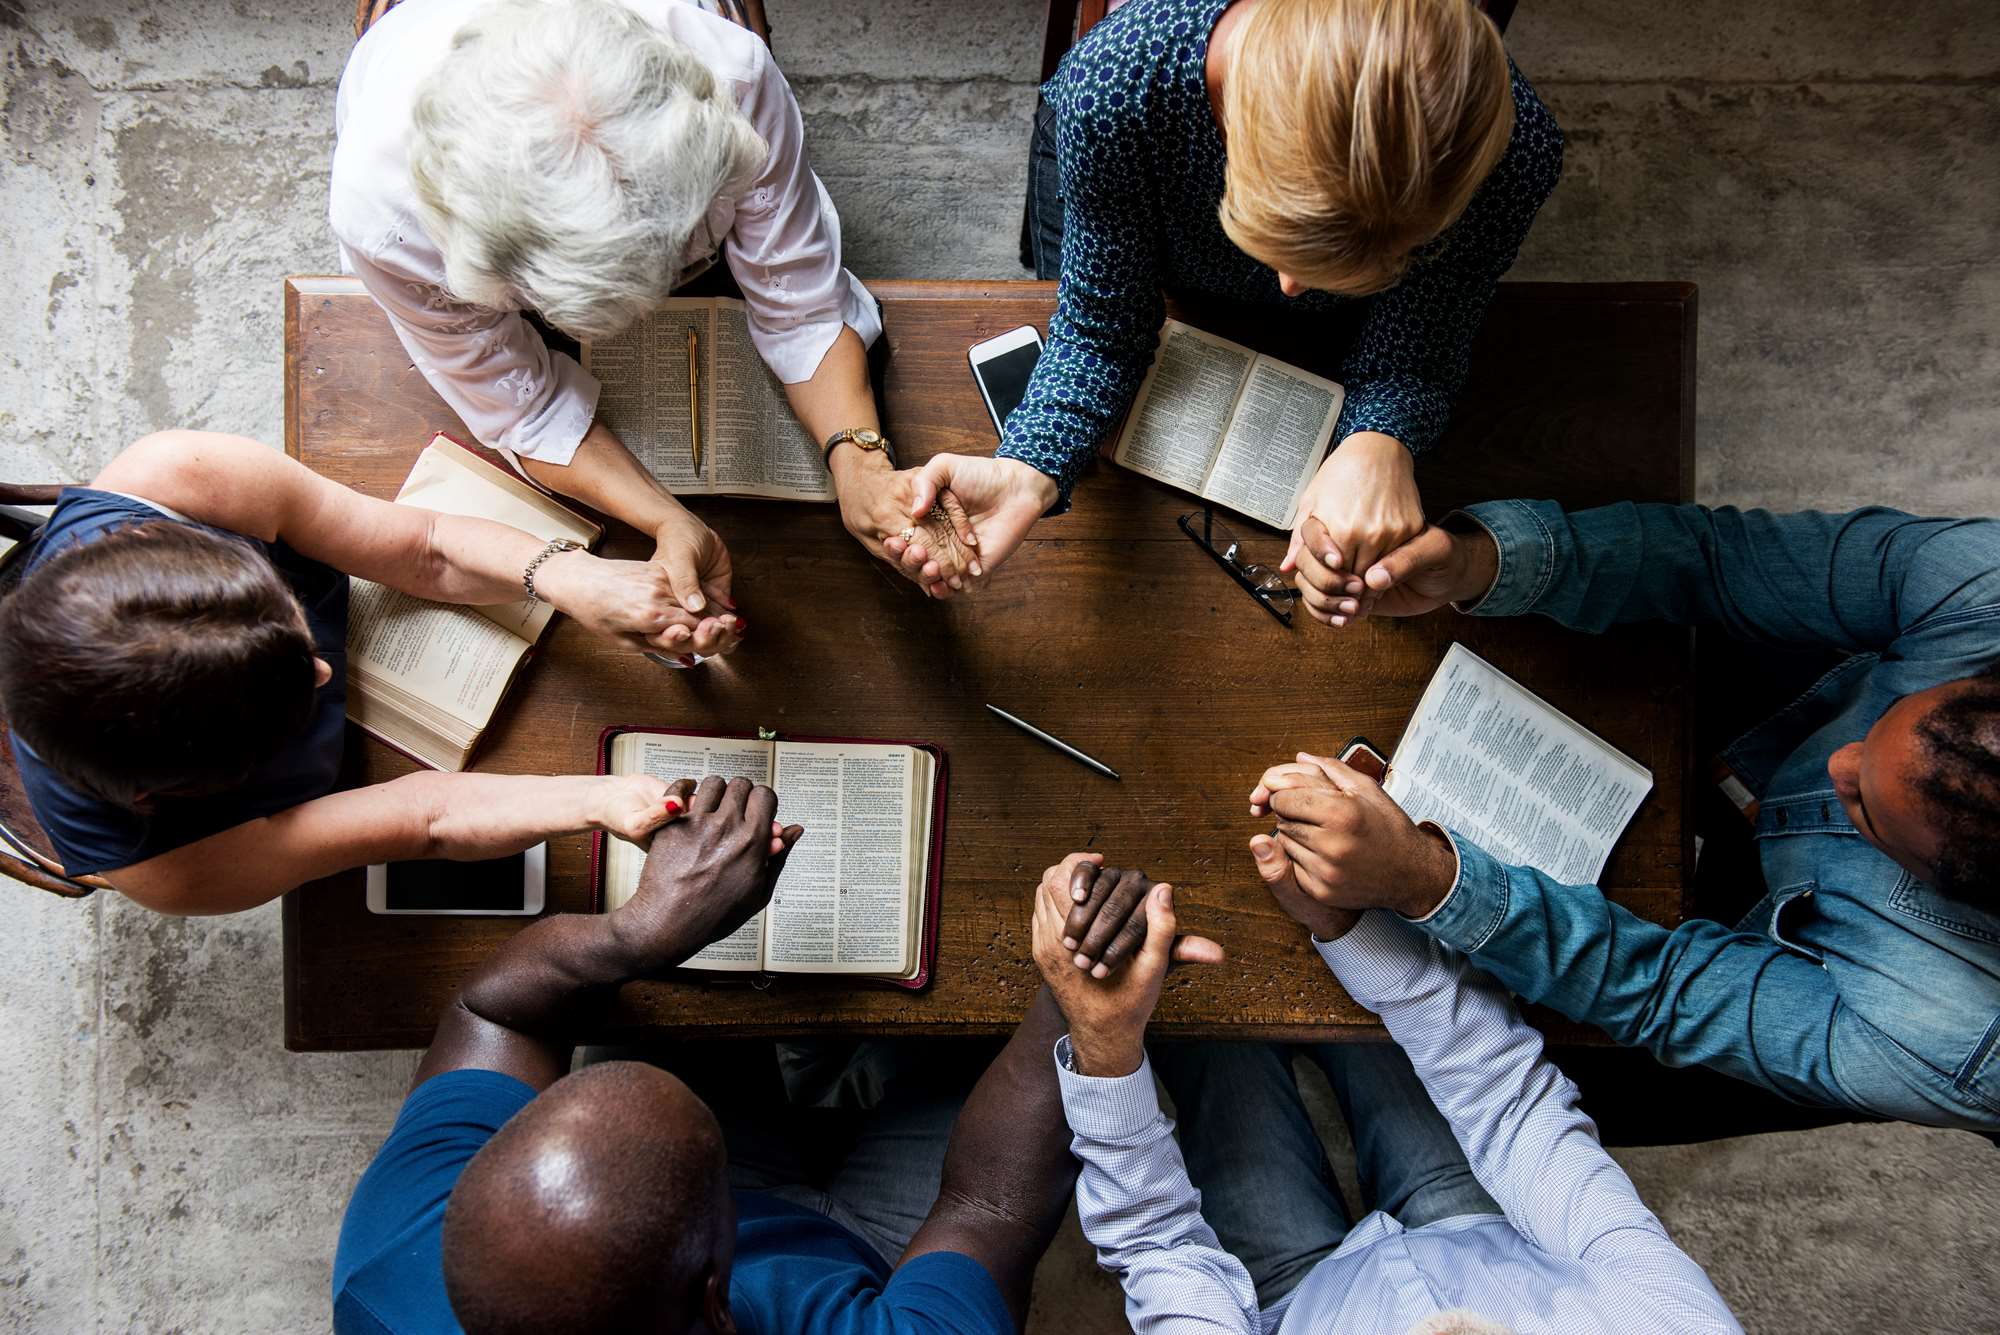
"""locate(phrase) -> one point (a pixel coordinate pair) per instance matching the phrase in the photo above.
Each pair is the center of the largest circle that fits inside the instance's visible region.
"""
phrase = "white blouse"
(780, 236)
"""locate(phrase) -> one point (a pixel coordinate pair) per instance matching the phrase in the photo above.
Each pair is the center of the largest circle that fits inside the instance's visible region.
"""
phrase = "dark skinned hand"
(707, 873)
(1106, 924)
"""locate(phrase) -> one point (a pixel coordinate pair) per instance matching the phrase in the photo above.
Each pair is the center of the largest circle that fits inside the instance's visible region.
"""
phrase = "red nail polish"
(673, 805)
(741, 625)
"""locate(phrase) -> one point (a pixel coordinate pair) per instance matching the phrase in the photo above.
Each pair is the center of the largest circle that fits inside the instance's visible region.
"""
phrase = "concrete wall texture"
(1829, 174)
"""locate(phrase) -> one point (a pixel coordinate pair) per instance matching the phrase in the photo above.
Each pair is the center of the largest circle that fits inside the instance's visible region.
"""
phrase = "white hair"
(564, 153)
(1458, 1321)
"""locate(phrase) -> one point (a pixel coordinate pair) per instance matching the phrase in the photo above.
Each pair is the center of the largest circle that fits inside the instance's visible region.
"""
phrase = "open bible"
(752, 444)
(426, 677)
(1232, 426)
(859, 892)
(1498, 764)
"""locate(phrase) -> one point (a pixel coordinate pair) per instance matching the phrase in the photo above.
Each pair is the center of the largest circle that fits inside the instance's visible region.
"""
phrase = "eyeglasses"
(1273, 592)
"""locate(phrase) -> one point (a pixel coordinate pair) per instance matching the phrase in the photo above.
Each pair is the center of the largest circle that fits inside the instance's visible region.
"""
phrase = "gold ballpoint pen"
(694, 397)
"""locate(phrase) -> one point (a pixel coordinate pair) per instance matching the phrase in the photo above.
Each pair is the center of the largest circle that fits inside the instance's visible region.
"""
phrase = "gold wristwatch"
(862, 438)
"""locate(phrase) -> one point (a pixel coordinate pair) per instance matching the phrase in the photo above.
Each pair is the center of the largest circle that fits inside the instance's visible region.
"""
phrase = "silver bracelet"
(528, 575)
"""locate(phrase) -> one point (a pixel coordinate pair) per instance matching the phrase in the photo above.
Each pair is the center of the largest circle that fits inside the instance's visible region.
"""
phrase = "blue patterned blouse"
(1142, 175)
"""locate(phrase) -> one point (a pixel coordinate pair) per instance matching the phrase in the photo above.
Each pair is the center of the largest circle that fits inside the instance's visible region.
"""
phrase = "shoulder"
(1534, 154)
(397, 1209)
(370, 201)
(734, 55)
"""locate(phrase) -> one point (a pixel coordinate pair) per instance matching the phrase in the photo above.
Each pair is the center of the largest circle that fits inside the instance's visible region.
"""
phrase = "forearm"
(1007, 1174)
(1800, 579)
(1141, 1213)
(468, 816)
(605, 476)
(838, 396)
(1689, 996)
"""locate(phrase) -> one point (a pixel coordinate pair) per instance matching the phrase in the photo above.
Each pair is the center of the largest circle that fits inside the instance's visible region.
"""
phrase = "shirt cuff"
(1109, 1108)
(1376, 957)
(1413, 413)
(552, 435)
(1472, 909)
(1527, 557)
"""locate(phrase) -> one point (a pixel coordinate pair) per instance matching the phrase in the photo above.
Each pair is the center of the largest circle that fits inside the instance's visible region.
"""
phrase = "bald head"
(603, 1204)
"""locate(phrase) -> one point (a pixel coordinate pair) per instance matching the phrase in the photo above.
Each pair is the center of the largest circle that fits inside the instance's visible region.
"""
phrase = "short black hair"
(159, 658)
(1961, 736)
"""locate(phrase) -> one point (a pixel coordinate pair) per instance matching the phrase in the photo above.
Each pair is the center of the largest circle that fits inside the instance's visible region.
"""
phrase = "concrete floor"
(1828, 174)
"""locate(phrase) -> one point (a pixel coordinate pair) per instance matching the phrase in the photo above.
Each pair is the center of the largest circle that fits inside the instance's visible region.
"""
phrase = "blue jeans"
(1266, 1188)
(1045, 205)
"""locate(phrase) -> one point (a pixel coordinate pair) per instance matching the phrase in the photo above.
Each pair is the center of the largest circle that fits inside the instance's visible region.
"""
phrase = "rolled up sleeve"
(784, 248)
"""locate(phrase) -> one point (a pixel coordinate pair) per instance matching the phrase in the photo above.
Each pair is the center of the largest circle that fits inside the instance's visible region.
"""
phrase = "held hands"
(706, 874)
(878, 504)
(1361, 506)
(1080, 903)
(1349, 846)
(1001, 499)
(636, 603)
(697, 569)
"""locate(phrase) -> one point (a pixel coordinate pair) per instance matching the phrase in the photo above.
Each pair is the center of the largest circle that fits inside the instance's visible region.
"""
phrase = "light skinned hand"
(696, 564)
(1280, 878)
(633, 602)
(876, 505)
(1350, 845)
(1107, 1017)
(1002, 499)
(1362, 504)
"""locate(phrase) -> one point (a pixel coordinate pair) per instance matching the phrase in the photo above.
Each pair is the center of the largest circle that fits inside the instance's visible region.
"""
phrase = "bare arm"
(245, 487)
(1007, 1177)
(427, 815)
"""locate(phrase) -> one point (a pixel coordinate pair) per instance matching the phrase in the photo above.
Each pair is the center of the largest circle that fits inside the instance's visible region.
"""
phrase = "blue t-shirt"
(796, 1271)
(90, 835)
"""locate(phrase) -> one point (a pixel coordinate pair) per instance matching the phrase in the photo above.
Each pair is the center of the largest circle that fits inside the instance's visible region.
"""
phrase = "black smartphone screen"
(491, 886)
(1006, 379)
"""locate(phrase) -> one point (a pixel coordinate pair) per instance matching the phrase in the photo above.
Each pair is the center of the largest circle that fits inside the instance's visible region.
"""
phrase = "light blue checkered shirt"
(1578, 1251)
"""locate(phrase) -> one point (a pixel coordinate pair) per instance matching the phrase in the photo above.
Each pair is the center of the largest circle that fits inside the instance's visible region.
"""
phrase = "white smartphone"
(495, 887)
(1001, 366)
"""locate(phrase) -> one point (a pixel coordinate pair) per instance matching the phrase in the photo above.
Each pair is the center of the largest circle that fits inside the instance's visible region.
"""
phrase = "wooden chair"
(25, 851)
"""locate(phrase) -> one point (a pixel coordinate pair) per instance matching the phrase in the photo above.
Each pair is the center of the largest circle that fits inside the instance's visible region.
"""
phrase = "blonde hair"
(1357, 131)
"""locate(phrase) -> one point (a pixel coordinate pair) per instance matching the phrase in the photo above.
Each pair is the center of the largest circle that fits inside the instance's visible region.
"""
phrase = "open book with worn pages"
(1488, 758)
(1234, 427)
(859, 891)
(752, 443)
(427, 677)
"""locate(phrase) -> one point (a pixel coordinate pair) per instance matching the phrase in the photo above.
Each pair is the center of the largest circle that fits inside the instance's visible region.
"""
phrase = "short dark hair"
(1961, 735)
(159, 658)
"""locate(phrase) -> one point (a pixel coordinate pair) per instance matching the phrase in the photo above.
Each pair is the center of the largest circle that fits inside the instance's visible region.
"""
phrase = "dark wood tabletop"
(1108, 628)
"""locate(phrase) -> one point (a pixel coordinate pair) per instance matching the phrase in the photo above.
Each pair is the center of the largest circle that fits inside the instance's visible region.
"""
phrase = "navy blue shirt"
(91, 835)
(1143, 167)
(796, 1271)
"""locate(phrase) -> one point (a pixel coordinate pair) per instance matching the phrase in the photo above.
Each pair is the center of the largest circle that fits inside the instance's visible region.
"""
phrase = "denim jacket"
(1852, 984)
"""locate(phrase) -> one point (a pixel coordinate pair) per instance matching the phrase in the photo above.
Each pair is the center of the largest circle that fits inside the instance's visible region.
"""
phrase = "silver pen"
(1057, 742)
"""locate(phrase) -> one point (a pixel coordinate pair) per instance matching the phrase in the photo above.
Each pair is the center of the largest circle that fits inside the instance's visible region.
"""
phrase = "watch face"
(866, 438)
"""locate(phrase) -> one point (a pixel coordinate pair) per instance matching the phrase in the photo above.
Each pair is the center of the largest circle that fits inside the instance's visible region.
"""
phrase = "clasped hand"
(948, 524)
(1342, 846)
(1084, 927)
(707, 872)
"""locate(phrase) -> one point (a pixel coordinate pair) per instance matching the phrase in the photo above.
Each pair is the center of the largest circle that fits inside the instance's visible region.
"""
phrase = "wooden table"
(1108, 628)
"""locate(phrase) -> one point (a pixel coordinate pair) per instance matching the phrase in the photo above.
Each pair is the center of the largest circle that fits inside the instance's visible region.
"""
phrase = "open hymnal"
(858, 892)
(1232, 426)
(752, 444)
(426, 677)
(1526, 783)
